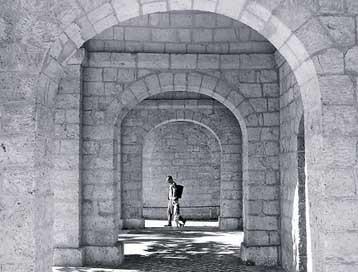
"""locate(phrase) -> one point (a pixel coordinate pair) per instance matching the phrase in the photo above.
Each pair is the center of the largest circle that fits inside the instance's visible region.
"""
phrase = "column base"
(230, 223)
(104, 256)
(68, 257)
(136, 223)
(260, 255)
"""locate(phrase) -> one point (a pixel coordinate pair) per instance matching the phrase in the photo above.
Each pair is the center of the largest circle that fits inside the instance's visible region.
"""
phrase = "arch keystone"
(180, 4)
(231, 8)
(125, 9)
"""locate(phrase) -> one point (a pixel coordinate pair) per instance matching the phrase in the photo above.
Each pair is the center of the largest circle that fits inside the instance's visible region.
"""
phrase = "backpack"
(179, 189)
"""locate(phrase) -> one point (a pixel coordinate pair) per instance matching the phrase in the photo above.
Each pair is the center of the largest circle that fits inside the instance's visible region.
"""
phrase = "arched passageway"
(303, 40)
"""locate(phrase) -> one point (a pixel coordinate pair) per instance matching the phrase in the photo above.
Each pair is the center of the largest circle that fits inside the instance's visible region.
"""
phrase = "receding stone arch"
(266, 18)
(213, 169)
(228, 219)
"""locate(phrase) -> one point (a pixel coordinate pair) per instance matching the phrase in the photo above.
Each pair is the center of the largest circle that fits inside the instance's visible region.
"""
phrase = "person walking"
(173, 210)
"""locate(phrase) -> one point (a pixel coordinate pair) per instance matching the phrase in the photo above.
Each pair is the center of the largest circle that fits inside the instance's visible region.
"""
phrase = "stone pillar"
(100, 194)
(261, 204)
(67, 169)
(231, 187)
(26, 131)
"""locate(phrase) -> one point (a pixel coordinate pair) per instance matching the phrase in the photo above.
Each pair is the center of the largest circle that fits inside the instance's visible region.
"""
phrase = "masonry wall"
(180, 32)
(191, 154)
(107, 75)
(291, 114)
(192, 167)
(67, 166)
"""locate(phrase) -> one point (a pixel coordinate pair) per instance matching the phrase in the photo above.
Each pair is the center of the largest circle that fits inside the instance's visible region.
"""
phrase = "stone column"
(67, 169)
(26, 130)
(100, 195)
(231, 187)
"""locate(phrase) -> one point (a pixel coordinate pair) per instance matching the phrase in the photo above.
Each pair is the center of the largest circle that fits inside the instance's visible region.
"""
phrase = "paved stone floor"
(188, 249)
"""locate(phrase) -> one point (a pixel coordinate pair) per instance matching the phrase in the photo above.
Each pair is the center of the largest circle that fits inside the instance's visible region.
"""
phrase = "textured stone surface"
(192, 159)
(180, 32)
(29, 82)
(292, 163)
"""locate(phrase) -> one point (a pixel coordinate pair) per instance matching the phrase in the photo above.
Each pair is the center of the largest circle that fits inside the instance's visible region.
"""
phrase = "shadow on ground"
(179, 251)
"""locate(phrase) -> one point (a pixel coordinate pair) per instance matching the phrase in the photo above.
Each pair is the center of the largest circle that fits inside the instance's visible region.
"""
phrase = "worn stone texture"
(193, 163)
(178, 32)
(292, 164)
(39, 38)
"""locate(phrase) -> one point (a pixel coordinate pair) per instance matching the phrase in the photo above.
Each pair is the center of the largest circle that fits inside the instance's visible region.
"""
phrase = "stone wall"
(191, 154)
(246, 81)
(292, 193)
(180, 32)
(189, 169)
(67, 167)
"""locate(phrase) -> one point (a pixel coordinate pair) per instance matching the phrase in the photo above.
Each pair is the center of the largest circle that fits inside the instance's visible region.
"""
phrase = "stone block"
(122, 60)
(271, 208)
(341, 29)
(125, 9)
(100, 13)
(262, 223)
(337, 267)
(262, 192)
(111, 256)
(328, 6)
(225, 35)
(228, 223)
(156, 61)
(68, 256)
(250, 90)
(330, 62)
(202, 35)
(204, 20)
(181, 20)
(99, 59)
(183, 61)
(209, 5)
(267, 256)
(257, 61)
(208, 61)
(176, 48)
(159, 19)
(259, 104)
(164, 35)
(336, 89)
(230, 61)
(341, 246)
(257, 238)
(126, 75)
(230, 8)
(105, 35)
(184, 35)
(351, 60)
(93, 74)
(109, 74)
(154, 47)
(340, 120)
(271, 90)
(271, 119)
(340, 215)
(137, 34)
(339, 182)
(352, 6)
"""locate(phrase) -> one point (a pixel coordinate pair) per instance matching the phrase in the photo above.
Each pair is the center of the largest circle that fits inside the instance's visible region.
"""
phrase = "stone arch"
(246, 116)
(268, 19)
(230, 218)
(288, 36)
(211, 161)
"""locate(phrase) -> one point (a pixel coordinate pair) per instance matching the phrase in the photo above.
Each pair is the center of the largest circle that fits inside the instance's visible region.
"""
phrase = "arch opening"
(227, 99)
